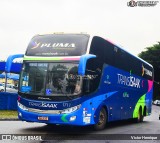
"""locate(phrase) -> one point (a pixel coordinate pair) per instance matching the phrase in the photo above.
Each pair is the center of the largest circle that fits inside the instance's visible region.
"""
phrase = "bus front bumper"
(75, 118)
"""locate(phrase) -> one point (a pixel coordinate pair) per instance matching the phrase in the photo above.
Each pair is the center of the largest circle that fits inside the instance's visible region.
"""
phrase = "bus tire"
(102, 120)
(140, 116)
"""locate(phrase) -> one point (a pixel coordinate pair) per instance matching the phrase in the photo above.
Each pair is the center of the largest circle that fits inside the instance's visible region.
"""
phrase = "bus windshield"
(50, 79)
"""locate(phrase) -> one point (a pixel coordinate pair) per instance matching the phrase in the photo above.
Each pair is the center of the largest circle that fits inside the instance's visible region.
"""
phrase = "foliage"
(151, 55)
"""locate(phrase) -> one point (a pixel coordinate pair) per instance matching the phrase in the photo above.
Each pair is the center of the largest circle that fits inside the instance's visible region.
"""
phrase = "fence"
(8, 101)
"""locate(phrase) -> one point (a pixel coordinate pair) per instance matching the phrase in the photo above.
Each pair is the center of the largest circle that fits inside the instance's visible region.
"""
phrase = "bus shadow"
(61, 129)
(123, 123)
(59, 132)
(67, 129)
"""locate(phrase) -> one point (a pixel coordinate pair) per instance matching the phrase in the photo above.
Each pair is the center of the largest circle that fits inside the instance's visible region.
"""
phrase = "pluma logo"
(35, 45)
(52, 45)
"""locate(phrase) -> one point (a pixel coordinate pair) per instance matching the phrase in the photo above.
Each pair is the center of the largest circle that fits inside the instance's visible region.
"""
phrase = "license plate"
(43, 118)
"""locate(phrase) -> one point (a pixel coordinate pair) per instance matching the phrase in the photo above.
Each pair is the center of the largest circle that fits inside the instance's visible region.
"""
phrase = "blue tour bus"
(78, 79)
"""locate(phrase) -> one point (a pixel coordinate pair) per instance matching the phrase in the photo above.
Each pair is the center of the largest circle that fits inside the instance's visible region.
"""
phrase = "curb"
(9, 119)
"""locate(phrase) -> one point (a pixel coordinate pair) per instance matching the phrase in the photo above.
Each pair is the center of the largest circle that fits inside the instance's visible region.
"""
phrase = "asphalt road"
(115, 131)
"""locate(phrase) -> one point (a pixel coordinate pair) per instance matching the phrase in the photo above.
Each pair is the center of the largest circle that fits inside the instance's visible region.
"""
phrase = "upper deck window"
(58, 45)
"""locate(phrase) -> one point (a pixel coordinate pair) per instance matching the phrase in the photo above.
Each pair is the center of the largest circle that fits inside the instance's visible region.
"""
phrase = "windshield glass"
(50, 79)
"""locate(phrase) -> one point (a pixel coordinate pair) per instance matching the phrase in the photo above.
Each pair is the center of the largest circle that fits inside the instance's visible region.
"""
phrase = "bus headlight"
(70, 110)
(73, 118)
(22, 106)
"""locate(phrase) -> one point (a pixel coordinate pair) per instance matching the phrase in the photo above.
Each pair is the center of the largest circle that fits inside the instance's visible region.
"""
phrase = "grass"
(8, 114)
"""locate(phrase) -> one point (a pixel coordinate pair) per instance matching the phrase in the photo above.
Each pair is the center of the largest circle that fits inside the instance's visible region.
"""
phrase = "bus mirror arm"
(83, 62)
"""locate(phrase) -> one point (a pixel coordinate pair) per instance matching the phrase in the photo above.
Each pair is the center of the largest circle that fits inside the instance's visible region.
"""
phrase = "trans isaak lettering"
(129, 81)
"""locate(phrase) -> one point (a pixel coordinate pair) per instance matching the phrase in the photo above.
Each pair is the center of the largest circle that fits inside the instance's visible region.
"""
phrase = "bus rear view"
(75, 79)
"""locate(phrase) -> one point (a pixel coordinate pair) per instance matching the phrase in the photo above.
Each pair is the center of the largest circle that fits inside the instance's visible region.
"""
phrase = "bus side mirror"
(83, 62)
(9, 61)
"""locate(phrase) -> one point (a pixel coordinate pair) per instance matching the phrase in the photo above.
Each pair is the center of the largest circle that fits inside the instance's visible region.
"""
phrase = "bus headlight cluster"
(22, 106)
(70, 110)
(73, 118)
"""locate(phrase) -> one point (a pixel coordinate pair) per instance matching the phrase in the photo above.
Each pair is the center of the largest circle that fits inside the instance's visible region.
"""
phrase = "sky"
(133, 28)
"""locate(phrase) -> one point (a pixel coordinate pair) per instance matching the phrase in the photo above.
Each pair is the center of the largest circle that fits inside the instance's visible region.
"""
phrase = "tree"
(152, 56)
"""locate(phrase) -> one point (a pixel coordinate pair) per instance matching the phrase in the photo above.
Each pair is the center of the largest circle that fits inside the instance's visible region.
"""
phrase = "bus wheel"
(102, 120)
(140, 116)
